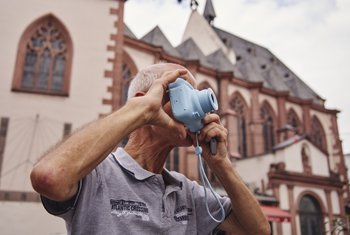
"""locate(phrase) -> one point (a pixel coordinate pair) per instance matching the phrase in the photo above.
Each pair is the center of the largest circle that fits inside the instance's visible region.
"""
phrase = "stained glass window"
(268, 128)
(317, 135)
(126, 78)
(238, 106)
(46, 50)
(293, 120)
(311, 221)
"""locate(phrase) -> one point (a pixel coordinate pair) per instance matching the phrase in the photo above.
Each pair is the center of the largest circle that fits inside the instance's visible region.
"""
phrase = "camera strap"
(206, 183)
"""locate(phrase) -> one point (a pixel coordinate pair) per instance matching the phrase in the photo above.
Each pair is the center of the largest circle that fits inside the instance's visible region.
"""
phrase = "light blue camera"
(189, 105)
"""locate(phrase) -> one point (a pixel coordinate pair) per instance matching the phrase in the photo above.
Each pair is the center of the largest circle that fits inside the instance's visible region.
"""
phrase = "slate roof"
(189, 50)
(256, 63)
(128, 32)
(253, 62)
(219, 60)
(156, 37)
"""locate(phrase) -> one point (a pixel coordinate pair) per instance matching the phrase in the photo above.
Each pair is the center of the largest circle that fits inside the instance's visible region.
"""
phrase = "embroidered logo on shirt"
(182, 214)
(127, 208)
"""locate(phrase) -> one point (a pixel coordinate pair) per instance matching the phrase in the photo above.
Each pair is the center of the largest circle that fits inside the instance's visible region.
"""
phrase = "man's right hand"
(156, 97)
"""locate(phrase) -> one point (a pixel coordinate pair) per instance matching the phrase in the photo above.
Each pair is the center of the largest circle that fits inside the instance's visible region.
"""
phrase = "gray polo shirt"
(120, 197)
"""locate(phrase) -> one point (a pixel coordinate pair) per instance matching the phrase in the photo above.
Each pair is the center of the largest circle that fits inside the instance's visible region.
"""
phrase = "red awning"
(275, 214)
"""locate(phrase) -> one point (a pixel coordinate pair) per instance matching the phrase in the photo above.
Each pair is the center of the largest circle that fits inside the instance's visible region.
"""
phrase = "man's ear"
(140, 93)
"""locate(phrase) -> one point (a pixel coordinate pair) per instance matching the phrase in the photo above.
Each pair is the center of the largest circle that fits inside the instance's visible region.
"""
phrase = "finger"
(163, 82)
(211, 117)
(213, 130)
(190, 79)
(171, 76)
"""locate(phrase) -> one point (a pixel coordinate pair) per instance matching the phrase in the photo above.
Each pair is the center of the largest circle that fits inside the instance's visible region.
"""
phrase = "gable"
(292, 157)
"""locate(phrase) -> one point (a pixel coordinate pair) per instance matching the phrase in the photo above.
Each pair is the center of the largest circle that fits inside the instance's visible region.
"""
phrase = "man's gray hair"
(143, 81)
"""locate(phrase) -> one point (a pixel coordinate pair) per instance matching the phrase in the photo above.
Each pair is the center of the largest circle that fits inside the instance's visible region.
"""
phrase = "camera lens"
(212, 97)
(207, 100)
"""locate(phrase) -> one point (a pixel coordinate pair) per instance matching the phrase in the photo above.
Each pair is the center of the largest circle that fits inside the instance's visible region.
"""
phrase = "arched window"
(129, 70)
(311, 221)
(268, 127)
(126, 78)
(317, 135)
(293, 120)
(238, 105)
(44, 58)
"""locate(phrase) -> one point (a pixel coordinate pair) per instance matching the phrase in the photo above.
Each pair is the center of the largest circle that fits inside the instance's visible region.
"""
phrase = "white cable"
(206, 183)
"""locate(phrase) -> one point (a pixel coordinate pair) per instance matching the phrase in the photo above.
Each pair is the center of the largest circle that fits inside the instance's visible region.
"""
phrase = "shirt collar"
(130, 165)
(169, 179)
(134, 169)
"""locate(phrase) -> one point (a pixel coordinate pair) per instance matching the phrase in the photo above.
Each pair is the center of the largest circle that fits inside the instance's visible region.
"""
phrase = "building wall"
(28, 218)
(37, 121)
(140, 58)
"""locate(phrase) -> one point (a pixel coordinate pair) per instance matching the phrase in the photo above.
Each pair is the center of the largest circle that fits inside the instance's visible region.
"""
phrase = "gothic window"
(311, 221)
(237, 104)
(129, 70)
(317, 135)
(268, 127)
(293, 120)
(44, 58)
(126, 78)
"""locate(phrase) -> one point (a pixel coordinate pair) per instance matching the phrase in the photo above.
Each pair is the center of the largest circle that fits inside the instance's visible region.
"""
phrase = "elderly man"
(129, 191)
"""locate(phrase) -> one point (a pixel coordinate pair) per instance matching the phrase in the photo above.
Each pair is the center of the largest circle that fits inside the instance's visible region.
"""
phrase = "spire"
(209, 12)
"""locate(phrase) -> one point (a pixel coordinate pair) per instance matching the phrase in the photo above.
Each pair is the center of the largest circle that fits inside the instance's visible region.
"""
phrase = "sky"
(311, 37)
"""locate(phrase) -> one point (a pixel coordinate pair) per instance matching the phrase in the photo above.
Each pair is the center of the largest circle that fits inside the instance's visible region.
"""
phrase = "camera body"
(189, 105)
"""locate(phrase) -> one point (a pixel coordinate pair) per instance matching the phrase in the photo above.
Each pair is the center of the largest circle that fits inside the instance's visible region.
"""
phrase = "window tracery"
(239, 107)
(44, 58)
(268, 128)
(293, 120)
(317, 135)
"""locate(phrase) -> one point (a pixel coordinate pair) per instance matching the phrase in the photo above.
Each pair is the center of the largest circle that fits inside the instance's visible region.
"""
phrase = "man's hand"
(155, 98)
(246, 216)
(213, 129)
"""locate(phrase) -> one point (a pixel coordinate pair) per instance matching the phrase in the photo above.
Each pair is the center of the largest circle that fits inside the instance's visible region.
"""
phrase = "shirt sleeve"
(66, 209)
(61, 209)
(205, 224)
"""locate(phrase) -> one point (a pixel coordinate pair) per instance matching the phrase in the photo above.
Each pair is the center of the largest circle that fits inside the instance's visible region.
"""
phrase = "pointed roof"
(128, 32)
(190, 50)
(156, 37)
(219, 61)
(209, 12)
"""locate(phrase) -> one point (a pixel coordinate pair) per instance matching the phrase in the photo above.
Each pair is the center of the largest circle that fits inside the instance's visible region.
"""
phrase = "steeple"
(209, 12)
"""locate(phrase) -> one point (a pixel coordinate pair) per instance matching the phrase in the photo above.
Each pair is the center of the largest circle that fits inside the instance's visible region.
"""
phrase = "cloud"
(310, 36)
